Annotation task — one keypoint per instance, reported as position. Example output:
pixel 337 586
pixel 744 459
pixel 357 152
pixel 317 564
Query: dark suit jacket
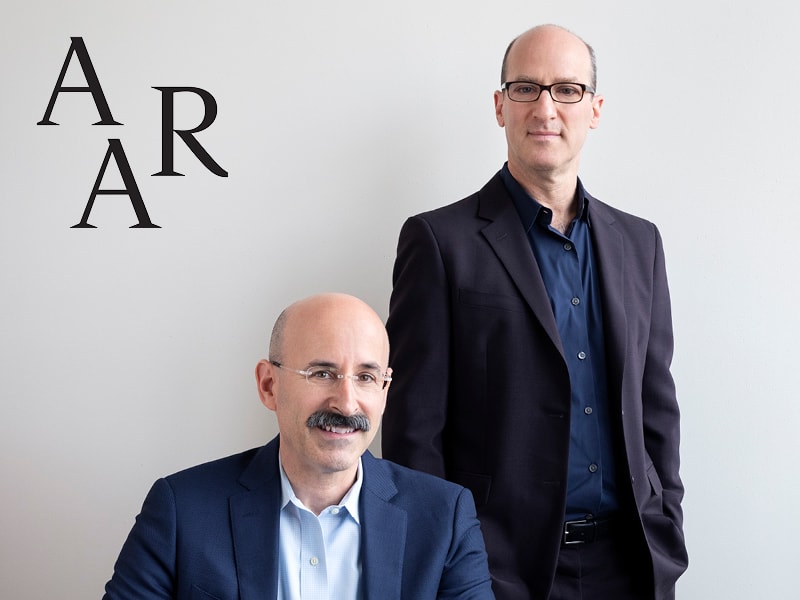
pixel 481 394
pixel 211 532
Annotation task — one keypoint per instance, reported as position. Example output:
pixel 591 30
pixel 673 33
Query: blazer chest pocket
pixel 198 594
pixel 479 485
pixel 478 299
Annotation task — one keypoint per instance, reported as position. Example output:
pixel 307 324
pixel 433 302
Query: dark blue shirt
pixel 571 277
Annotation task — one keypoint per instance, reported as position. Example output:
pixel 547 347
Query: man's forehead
pixel 550 49
pixel 337 351
pixel 334 329
pixel 544 72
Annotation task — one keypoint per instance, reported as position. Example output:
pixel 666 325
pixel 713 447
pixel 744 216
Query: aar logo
pixel 115 150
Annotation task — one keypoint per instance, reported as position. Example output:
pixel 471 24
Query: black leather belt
pixel 586 531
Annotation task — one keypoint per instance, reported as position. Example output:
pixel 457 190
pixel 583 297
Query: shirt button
pixel 588 410
pixel 314 561
pixel 581 355
pixel 335 510
pixel 576 301
pixel 592 468
pixel 567 246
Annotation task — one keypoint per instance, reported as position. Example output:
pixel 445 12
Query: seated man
pixel 312 514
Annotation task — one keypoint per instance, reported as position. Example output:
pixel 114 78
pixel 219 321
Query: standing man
pixel 311 515
pixel 533 324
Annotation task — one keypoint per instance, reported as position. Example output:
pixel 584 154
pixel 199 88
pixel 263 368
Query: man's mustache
pixel 324 419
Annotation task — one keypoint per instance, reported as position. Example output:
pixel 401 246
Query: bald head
pixel 547 38
pixel 333 315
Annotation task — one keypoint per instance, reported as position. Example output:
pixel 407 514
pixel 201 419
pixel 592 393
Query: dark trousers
pixel 614 568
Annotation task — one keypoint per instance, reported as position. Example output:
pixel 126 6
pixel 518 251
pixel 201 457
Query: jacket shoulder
pixel 407 486
pixel 611 214
pixel 223 475
pixel 468 207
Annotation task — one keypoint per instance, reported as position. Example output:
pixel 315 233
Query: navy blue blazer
pixel 211 532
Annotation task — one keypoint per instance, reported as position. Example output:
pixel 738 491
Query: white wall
pixel 126 354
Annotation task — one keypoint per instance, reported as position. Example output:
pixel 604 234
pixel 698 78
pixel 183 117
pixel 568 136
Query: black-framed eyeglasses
pixel 369 380
pixel 565 92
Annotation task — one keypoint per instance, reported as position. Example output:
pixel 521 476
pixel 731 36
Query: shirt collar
pixel 527 206
pixel 349 502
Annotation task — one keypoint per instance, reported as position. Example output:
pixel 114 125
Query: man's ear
pixel 498 108
pixel 597 104
pixel 265 380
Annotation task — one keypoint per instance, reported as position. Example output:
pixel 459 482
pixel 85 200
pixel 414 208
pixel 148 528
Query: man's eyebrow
pixel 332 365
pixel 322 363
pixel 527 79
pixel 370 365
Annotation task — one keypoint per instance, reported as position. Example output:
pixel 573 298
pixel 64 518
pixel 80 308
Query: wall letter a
pixel 93 85
pixel 131 189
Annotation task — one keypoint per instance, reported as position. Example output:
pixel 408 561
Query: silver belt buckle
pixel 566 527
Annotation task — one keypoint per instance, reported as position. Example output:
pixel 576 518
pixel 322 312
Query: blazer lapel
pixel 255 522
pixel 509 241
pixel 383 533
pixel 610 253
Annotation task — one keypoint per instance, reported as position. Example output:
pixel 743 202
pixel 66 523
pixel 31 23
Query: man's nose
pixel 545 106
pixel 345 397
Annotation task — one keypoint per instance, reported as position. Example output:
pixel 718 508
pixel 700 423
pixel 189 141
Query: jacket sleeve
pixel 146 565
pixel 466 569
pixel 661 416
pixel 419 332
pixel 660 489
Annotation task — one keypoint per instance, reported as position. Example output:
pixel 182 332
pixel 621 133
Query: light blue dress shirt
pixel 320 556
